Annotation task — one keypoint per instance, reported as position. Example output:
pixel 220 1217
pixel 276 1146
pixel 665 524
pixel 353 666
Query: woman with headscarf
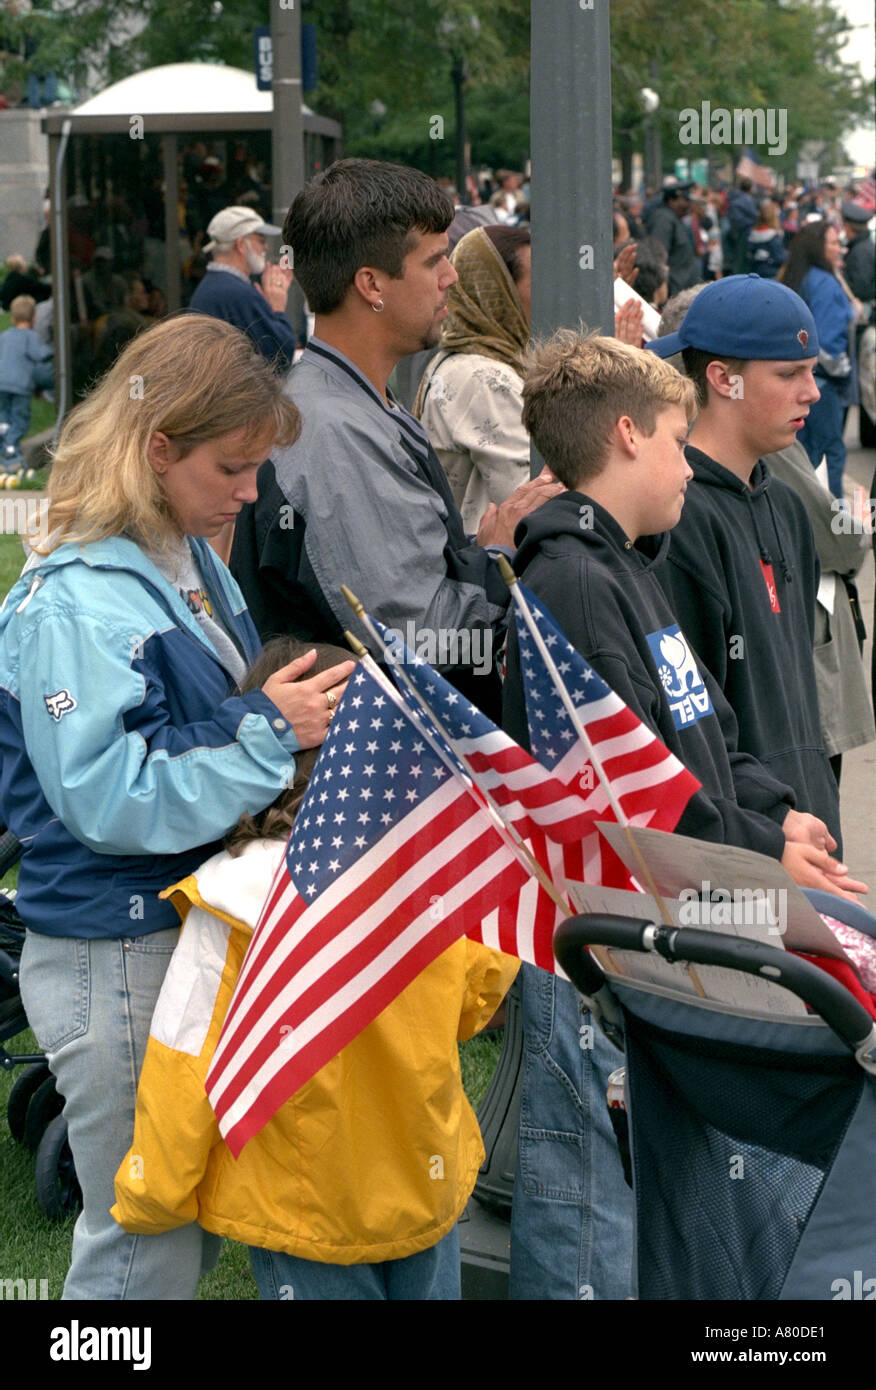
pixel 471 396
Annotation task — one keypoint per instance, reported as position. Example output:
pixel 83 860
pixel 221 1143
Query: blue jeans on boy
pixel 14 412
pixel 90 1004
pixel 430 1275
pixel 572 1214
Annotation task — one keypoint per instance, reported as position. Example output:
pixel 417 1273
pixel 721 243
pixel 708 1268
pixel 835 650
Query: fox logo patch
pixel 59 704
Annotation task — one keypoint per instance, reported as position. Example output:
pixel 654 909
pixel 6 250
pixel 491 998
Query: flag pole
pixel 481 794
pixel 523 608
pixel 509 837
pixel 483 798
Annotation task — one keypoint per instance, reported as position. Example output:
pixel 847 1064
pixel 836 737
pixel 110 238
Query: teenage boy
pixel 742 571
pixel 611 423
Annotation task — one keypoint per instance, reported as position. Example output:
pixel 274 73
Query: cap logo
pixel 803 337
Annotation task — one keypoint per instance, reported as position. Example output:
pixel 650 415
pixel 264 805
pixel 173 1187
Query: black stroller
pixel 751 1137
pixel 34 1105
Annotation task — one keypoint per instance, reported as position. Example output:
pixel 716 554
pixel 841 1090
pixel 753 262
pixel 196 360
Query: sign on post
pixel 264 57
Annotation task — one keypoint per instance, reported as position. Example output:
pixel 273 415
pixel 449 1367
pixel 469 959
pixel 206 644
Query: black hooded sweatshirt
pixel 742 575
pixel 602 591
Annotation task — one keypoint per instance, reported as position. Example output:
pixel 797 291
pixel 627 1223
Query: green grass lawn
pixel 32 1247
pixel 11 561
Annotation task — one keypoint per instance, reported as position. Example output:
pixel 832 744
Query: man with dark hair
pixel 652 281
pixel 860 263
pixel 361 498
pixel 741 217
pixel 664 221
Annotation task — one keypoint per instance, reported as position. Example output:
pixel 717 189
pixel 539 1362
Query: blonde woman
pixel 125 754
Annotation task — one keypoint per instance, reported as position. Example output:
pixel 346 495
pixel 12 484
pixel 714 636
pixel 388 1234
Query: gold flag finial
pixel 506 571
pixel 354 603
pixel 355 644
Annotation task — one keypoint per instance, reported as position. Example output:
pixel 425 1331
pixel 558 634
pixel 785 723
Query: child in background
pixel 766 246
pixel 354 1188
pixel 25 366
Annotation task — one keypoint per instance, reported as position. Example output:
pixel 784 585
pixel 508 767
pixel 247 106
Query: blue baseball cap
pixel 748 317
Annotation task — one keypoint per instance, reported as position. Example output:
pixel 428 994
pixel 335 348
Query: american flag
pixel 538 808
pixel 649 782
pixel 554 798
pixel 390 860
pixel 750 166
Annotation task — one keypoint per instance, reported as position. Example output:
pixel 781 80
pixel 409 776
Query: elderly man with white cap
pixel 238 241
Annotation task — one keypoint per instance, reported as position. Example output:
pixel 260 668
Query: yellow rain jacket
pixel 373 1159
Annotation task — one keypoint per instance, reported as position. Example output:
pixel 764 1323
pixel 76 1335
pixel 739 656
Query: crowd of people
pixel 153 760
pixel 814 239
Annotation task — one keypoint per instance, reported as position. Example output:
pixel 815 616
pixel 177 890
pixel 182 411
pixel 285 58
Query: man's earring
pixel 378 307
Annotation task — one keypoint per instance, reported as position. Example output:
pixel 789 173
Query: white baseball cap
pixel 233 222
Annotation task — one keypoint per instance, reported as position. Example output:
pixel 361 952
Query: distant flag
pixel 390 860
pixel 750 166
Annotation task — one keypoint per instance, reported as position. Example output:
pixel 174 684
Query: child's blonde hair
pixel 578 385
pixel 192 377
pixel 22 308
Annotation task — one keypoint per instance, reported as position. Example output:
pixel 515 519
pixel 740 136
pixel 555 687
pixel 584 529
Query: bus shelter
pixel 136 173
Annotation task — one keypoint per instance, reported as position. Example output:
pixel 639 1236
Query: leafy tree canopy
pixel 385 65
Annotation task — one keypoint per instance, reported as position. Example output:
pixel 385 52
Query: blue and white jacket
pixel 124 756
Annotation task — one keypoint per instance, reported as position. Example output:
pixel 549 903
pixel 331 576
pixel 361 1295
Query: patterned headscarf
pixel 485 313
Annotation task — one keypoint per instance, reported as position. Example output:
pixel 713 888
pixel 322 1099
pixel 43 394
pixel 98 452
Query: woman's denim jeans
pixel 822 432
pixel 90 1004
pixel 572 1215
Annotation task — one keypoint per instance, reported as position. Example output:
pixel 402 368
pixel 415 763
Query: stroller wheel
pixel 57 1187
pixel 45 1103
pixel 20 1095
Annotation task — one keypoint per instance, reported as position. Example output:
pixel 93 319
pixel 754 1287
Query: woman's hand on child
pixel 305 703
pixel 815 868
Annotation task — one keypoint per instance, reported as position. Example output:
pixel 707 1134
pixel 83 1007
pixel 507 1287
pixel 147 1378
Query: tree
pixel 751 54
pixel 384 65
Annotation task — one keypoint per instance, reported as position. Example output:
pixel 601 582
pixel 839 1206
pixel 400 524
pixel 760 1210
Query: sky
pixel 859 49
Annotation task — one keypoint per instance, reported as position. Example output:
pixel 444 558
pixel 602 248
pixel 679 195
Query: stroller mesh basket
pixel 752 1137
pixel 725 1190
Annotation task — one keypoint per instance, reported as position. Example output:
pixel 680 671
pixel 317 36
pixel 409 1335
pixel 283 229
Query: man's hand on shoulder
pixel 498 524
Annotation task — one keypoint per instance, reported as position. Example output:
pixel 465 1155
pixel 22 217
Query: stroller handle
pixel 10 850
pixel 831 1000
